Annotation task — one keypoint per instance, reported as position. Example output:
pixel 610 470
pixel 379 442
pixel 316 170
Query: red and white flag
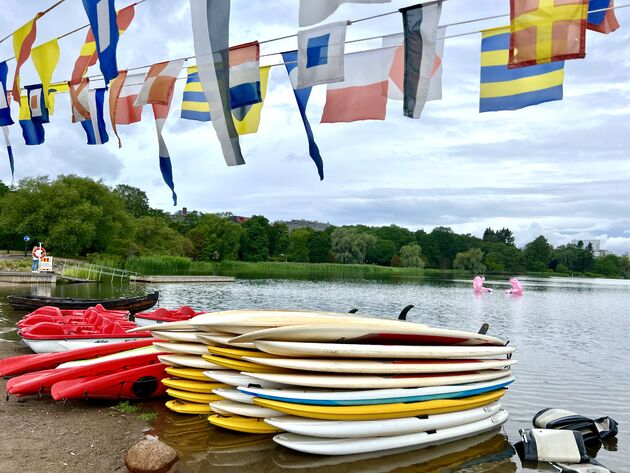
pixel 397 73
pixel 159 82
pixel 79 100
pixel 123 93
pixel 363 93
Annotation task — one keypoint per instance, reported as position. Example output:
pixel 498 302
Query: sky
pixel 559 169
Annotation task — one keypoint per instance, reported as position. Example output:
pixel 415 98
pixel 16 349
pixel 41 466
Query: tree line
pixel 78 216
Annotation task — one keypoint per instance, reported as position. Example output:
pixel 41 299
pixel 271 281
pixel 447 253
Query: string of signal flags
pixel 521 65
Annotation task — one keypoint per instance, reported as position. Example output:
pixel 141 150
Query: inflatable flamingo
pixel 478 285
pixel 516 289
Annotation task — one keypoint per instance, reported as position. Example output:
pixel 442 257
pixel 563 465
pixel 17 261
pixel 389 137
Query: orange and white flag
pixel 159 83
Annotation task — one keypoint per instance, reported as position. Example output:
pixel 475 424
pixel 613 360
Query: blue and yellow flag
pixel 511 89
pixel 195 106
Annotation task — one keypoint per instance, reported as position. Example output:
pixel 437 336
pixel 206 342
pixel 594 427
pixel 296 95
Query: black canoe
pixel 132 304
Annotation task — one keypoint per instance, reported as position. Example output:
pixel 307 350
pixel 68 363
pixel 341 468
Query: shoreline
pixel 80 436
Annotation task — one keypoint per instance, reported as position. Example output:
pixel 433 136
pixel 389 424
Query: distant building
pixel 237 219
pixel 295 224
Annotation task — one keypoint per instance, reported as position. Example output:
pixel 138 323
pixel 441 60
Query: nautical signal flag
pixel 102 17
pixel 545 31
pixel 159 83
pixel 7 142
pixel 601 16
pixel 397 71
pixel 363 93
pixel 23 39
pixel 301 97
pixel 420 27
pixel 510 89
pixel 160 113
pixel 244 75
pixel 124 91
pixel 195 106
pixel 315 11
pixel 45 58
pixel 211 33
pixel 95 128
pixel 33 115
pixel 79 101
pixel 5 108
pixel 88 55
pixel 320 54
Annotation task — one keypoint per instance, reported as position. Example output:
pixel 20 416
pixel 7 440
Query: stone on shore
pixel 151 456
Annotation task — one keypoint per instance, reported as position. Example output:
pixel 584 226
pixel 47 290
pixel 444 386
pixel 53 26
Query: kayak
pixel 163 315
pixel 17 365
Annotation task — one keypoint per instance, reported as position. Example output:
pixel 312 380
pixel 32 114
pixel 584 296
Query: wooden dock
pixel 182 279
pixel 15 277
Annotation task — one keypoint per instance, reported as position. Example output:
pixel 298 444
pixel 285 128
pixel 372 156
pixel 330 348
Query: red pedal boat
pixel 163 315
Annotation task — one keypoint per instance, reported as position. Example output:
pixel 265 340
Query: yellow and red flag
pixel 23 39
pixel 545 31
pixel 89 55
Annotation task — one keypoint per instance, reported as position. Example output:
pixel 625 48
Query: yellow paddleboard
pixel 193 397
pixel 249 425
pixel 187 373
pixel 241 365
pixel 185 407
pixel 239 353
pixel 382 411
pixel 193 386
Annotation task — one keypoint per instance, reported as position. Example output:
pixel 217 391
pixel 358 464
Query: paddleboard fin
pixel 484 329
pixel 403 313
pixel 353 311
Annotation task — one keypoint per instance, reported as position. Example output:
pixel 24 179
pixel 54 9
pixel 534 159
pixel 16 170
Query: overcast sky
pixel 560 169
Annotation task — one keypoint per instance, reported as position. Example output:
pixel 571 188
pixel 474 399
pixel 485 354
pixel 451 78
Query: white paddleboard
pixel 350 446
pixel 340 350
pixel 322 397
pixel 234 395
pixel 383 427
pixel 377 382
pixel 182 347
pixel 188 361
pixel 244 321
pixel 222 340
pixel 244 410
pixel 328 365
pixel 175 336
pixel 234 378
pixel 408 334
pixel 113 356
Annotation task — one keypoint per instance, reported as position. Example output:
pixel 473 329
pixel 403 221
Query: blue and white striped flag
pixel 5 109
pixel 102 17
pixel 95 128
pixel 7 141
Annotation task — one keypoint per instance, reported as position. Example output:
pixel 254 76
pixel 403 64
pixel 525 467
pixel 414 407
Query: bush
pixel 155 265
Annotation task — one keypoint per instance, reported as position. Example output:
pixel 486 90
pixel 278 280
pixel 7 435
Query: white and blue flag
pixel 320 55
pixel 102 17
pixel 5 110
pixel 95 128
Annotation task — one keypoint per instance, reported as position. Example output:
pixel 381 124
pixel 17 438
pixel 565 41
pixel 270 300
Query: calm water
pixel 572 346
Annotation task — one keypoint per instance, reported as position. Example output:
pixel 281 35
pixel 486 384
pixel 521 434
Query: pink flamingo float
pixel 478 285
pixel 516 289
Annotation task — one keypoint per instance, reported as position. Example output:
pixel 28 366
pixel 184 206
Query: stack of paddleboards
pixel 341 384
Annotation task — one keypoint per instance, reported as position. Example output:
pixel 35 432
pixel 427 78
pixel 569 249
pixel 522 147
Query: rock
pixel 151 456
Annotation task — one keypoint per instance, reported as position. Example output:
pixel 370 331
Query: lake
pixel 572 346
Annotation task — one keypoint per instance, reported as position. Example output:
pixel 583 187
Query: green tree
pixel 494 261
pixel 349 246
pixel 135 200
pixel 411 256
pixel 381 252
pixel 215 238
pixel 319 247
pixel 153 236
pixel 255 239
pixel 182 222
pixel 278 239
pixel 298 245
pixel 609 266
pixel 505 236
pixel 398 235
pixel 537 254
pixel 471 260
pixel 71 215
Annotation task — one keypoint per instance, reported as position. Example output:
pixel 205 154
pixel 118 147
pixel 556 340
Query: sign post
pixel 26 240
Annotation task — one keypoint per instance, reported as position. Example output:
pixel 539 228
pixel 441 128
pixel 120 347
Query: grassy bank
pixel 168 265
